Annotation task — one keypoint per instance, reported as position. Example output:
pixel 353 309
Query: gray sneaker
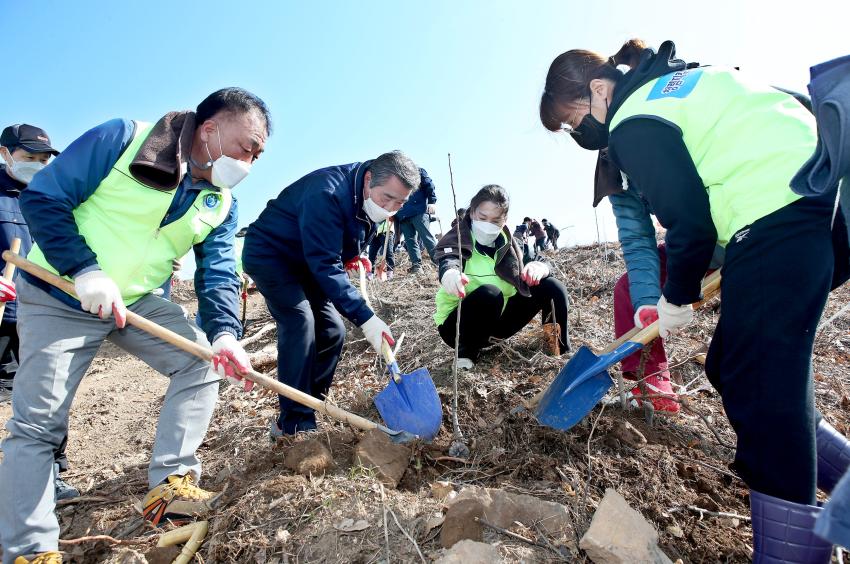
pixel 305 426
pixel 63 489
pixel 415 268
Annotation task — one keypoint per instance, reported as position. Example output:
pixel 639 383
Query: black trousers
pixel 310 334
pixel 482 316
pixel 9 345
pixel 776 279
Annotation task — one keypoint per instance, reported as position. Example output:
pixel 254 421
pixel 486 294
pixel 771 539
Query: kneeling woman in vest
pixel 500 295
pixel 712 152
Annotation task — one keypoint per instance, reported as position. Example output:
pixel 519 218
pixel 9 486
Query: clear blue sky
pixel 348 80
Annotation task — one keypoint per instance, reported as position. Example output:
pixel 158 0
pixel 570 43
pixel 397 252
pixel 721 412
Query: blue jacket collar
pixel 10 185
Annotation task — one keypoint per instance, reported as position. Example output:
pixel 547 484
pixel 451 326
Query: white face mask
pixel 227 172
pixel 485 232
pixel 375 212
pixel 23 171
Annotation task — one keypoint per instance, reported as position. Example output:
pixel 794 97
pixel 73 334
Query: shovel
pixel 410 401
pixel 204 353
pixel 584 380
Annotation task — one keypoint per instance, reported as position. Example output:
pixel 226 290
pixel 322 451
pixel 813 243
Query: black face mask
pixel 590 134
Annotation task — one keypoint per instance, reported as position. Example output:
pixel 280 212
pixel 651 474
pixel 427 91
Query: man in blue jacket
pixel 111 213
pixel 298 251
pixel 414 221
pixel 24 150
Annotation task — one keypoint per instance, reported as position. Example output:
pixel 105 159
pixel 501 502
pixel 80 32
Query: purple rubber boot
pixel 782 532
pixel 833 455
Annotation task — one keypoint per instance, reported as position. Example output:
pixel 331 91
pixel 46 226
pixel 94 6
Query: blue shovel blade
pixel 412 405
pixel 579 386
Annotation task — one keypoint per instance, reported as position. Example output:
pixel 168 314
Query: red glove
pixel 646 315
pixel 230 360
pixel 354 265
pixel 7 290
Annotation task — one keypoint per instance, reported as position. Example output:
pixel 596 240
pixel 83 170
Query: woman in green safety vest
pixel 712 152
pixel 485 270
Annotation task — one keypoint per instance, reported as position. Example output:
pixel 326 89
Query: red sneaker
pixel 659 385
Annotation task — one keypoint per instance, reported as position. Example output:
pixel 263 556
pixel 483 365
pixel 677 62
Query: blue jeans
pixel 412 228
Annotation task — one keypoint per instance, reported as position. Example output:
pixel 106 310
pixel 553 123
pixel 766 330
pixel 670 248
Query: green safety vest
pixel 746 139
pixel 480 269
pixel 121 221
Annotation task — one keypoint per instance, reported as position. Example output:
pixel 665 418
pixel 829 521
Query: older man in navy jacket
pixel 298 252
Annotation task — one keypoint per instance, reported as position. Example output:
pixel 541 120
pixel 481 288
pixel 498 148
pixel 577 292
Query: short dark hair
pixel 235 100
pixel 494 194
pixel 395 163
pixel 526 219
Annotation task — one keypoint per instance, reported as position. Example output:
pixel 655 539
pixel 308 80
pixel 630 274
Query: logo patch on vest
pixel 211 201
pixel 678 85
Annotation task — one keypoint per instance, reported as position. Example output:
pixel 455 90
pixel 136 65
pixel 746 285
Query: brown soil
pixel 270 514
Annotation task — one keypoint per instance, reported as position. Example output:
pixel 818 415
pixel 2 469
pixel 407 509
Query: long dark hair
pixel 570 74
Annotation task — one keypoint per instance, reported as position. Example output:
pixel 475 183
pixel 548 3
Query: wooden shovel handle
pixel 363 289
pixel 202 352
pixel 9 271
pixel 710 287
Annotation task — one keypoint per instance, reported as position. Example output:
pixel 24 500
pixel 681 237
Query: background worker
pixel 384 237
pixel 552 233
pixel 414 221
pixel 24 151
pixel 536 231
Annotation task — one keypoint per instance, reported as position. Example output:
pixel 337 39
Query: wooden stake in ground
pixel 458 448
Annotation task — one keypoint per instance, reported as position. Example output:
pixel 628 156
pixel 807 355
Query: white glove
pixel 671 317
pixel 646 315
pixel 375 331
pixel 453 282
pixel 534 272
pixel 230 361
pixel 431 209
pixel 99 294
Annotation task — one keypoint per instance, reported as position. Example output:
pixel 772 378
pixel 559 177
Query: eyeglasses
pixel 575 118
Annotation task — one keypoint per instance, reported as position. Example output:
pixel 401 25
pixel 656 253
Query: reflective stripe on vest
pixel 746 139
pixel 481 270
pixel 121 222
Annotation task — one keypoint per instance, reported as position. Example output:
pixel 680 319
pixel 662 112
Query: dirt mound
pixel 678 478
